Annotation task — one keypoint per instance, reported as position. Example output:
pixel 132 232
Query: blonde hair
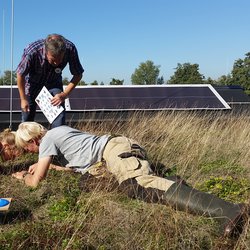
pixel 8 136
pixel 28 131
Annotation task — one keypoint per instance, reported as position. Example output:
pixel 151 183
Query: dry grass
pixel 64 215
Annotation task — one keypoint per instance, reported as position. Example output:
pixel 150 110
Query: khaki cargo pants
pixel 122 163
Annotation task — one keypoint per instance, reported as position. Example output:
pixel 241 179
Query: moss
pixel 221 166
pixel 228 188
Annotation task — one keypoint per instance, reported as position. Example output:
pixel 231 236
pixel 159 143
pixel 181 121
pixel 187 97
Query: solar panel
pixel 146 97
pixel 5 102
pixel 233 94
pixel 132 97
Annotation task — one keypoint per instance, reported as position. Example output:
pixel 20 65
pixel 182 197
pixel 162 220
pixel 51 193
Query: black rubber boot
pixel 231 217
pixel 176 178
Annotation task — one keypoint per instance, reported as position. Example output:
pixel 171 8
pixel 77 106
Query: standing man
pixel 41 65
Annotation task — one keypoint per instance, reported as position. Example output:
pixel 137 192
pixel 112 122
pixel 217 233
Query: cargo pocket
pixel 125 158
pixel 129 168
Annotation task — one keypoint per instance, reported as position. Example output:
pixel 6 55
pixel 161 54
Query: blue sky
pixel 114 36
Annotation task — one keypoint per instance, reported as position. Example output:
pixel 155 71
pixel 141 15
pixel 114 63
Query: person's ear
pixel 37 141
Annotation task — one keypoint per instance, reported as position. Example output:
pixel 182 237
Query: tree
pixel 224 80
pixel 160 80
pixel 82 83
pixel 94 83
pixel 66 82
pixel 241 72
pixel 209 80
pixel 6 79
pixel 116 82
pixel 187 73
pixel 146 74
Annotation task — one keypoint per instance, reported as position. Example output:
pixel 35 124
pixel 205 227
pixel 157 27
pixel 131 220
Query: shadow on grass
pixel 10 217
pixel 9 167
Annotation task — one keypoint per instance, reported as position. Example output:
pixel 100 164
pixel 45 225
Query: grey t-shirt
pixel 72 147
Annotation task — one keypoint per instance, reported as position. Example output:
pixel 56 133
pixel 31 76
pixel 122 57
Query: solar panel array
pixel 131 97
pixel 153 97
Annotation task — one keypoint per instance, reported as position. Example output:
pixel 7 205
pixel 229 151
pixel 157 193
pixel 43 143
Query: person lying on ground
pixel 9 151
pixel 126 160
pixel 8 148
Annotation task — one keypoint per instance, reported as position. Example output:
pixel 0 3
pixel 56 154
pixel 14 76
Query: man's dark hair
pixel 55 44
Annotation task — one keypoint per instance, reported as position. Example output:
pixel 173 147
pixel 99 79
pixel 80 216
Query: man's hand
pixel 39 174
pixel 58 99
pixel 32 168
pixel 19 175
pixel 25 105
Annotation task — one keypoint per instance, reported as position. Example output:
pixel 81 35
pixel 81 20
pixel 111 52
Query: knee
pixel 132 189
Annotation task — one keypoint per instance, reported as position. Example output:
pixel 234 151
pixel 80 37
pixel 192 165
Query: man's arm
pixel 59 168
pixel 33 167
pixel 21 89
pixel 39 174
pixel 58 99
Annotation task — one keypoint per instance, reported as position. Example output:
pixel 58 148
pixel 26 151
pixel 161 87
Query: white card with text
pixel 43 101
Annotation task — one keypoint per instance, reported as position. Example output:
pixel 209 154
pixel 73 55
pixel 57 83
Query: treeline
pixel 148 73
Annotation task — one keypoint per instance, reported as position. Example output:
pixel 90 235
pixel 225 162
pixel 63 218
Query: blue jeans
pixel 30 116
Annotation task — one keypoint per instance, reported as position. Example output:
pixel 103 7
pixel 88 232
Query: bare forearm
pixel 59 168
pixel 21 86
pixel 36 173
pixel 31 180
pixel 72 84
